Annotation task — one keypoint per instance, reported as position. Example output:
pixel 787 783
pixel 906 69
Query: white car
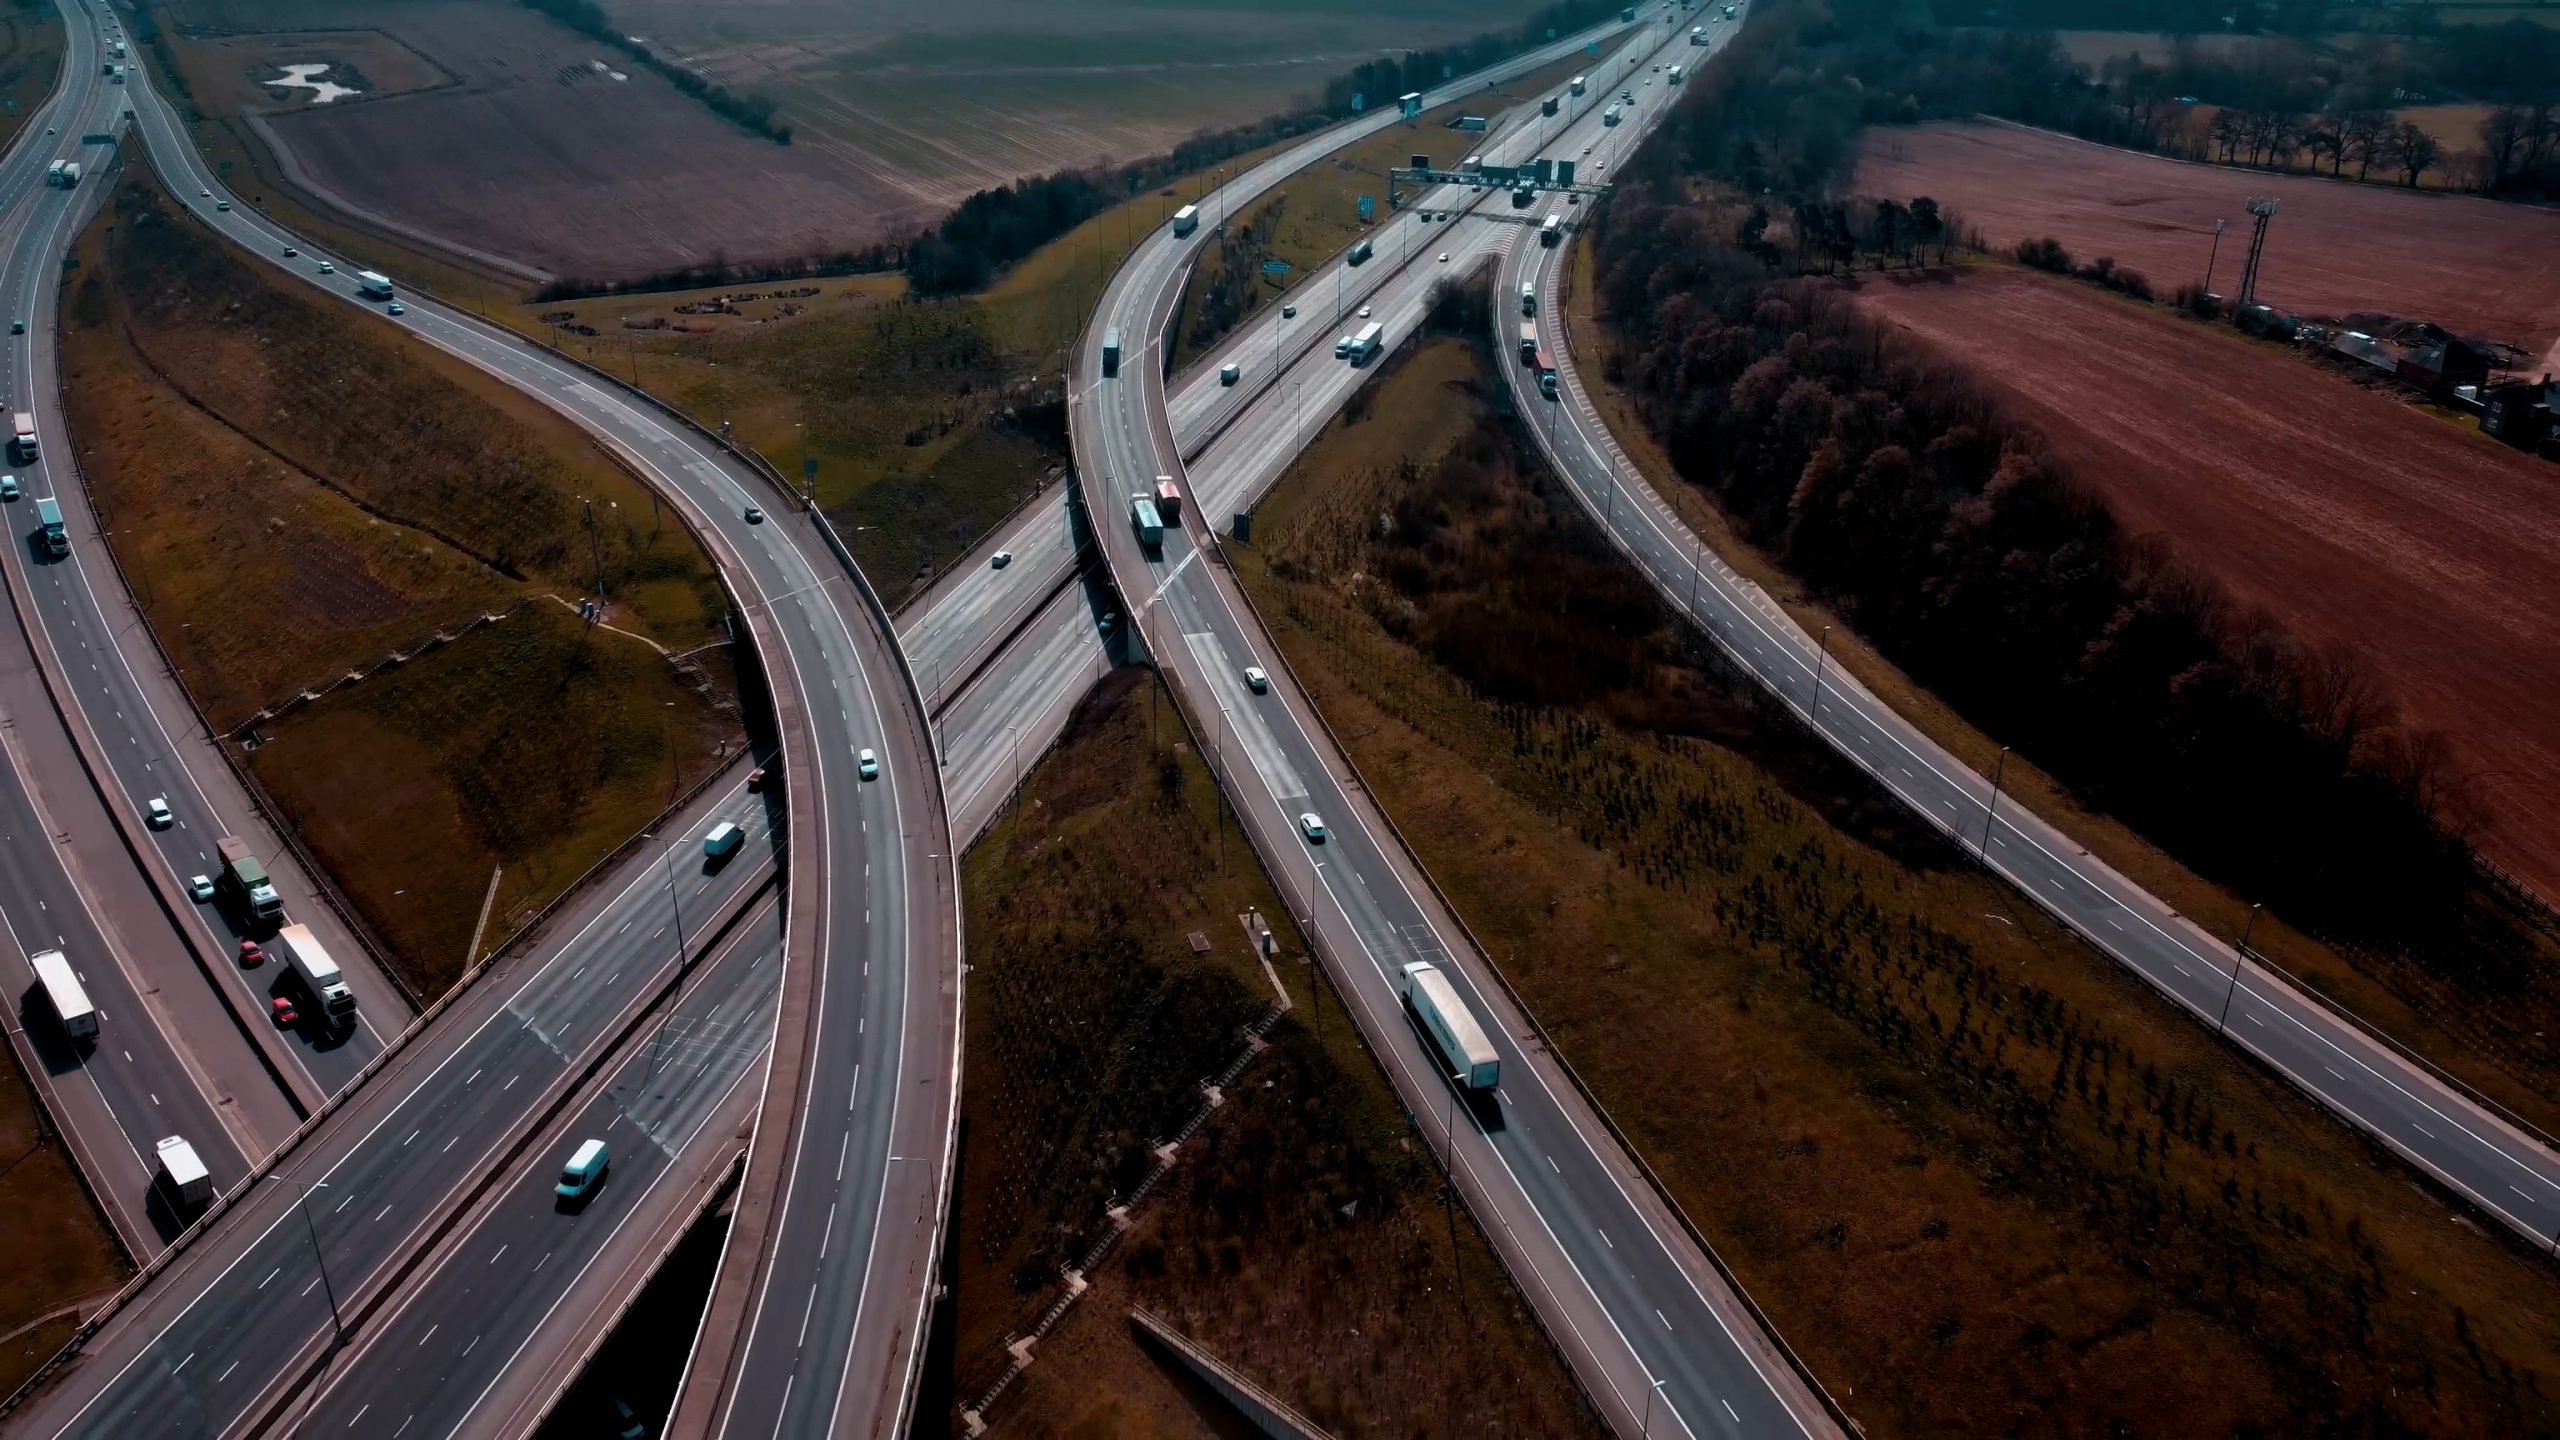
pixel 1313 827
pixel 1444 257
pixel 1002 559
pixel 204 194
pixel 328 269
pixel 201 887
pixel 1255 680
pixel 1288 312
pixel 1364 312
pixel 157 813
pixel 868 764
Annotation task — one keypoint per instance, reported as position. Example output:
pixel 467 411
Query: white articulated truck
pixel 1186 219
pixel 63 991
pixel 1365 343
pixel 1471 1058
pixel 190 1184
pixel 319 974
pixel 373 284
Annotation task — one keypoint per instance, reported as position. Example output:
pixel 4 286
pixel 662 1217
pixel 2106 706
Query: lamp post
pixel 1650 1392
pixel 1991 807
pixel 337 1322
pixel 1821 657
pixel 2238 956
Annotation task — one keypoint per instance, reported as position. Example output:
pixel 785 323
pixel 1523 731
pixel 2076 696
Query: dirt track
pixel 2335 247
pixel 2355 519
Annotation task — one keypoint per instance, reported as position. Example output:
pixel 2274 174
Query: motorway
pixel 1656 1336
pixel 68 878
pixel 2510 1174
pixel 999 650
pixel 877 925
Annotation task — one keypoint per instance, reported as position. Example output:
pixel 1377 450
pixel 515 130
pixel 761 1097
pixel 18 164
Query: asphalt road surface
pixel 1638 1308
pixel 2507 1172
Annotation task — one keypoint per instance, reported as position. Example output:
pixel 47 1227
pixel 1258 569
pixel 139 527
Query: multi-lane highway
pixel 170 1058
pixel 2508 1173
pixel 872 924
pixel 241 1316
pixel 1657 1336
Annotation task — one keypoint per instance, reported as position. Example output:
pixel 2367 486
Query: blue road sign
pixel 1275 267
pixel 1368 207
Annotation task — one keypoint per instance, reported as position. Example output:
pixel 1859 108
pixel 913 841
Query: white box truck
pixel 319 974
pixel 374 284
pixel 1186 219
pixel 1365 343
pixel 63 991
pixel 1471 1058
pixel 183 1169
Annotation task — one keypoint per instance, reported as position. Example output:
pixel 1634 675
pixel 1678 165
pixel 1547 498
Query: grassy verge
pixel 54 1251
pixel 31 43
pixel 295 493
pixel 1304 1238
pixel 2479 1024
pixel 1969 1167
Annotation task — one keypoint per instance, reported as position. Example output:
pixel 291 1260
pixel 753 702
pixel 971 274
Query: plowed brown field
pixel 2356 520
pixel 2335 248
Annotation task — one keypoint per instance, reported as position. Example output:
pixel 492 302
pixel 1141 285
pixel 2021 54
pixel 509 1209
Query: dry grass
pixel 54 1250
pixel 2348 980
pixel 296 492
pixel 1971 1168
pixel 531 744
pixel 30 62
pixel 1303 1239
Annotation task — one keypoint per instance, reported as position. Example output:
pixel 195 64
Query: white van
pixel 584 1172
pixel 721 841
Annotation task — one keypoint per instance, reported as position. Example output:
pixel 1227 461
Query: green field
pixel 1969 1166
pixel 1092 1025
pixel 55 1252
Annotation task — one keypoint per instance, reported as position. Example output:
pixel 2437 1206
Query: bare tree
pixel 2414 152
pixel 2361 139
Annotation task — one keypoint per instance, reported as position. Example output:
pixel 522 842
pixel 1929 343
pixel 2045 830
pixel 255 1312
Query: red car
pixel 282 1008
pixel 251 955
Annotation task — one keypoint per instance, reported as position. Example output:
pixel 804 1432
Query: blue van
pixel 584 1172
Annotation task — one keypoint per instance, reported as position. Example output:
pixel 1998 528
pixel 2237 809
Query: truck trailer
pixel 1186 219
pixel 63 174
pixel 1609 116
pixel 1366 342
pixel 1528 342
pixel 1672 76
pixel 1551 234
pixel 22 438
pixel 57 540
pixel 1546 373
pixel 1168 500
pixel 1471 1058
pixel 1146 520
pixel 319 974
pixel 245 881
pixel 374 284
pixel 1550 105
pixel 190 1184
pixel 63 991
pixel 1578 86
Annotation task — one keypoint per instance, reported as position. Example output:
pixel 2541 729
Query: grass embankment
pixel 1970 1167
pixel 1316 215
pixel 2497 1026
pixel 1303 1238
pixel 296 492
pixel 31 45
pixel 54 1250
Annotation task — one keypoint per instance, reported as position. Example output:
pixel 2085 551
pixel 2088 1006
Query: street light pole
pixel 337 1322
pixel 1650 1391
pixel 1821 656
pixel 2237 957
pixel 1992 806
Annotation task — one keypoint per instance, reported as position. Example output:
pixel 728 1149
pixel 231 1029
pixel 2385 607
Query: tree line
pixel 754 113
pixel 996 227
pixel 1954 541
